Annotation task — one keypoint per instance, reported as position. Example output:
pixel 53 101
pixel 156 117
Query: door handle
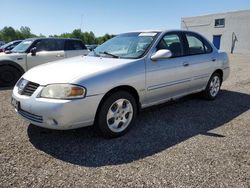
pixel 59 55
pixel 213 59
pixel 185 64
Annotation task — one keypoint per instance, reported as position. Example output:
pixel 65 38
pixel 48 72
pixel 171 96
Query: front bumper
pixel 57 114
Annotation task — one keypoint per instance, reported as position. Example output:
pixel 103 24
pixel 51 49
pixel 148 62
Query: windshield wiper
pixel 107 53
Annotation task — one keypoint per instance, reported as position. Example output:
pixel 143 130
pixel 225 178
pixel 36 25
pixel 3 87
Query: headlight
pixel 63 91
pixel 21 84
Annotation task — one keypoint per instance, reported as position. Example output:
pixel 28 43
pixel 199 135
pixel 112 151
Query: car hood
pixel 71 69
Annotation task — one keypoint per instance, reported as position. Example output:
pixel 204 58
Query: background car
pixel 36 51
pixel 125 74
pixel 9 46
pixel 2 43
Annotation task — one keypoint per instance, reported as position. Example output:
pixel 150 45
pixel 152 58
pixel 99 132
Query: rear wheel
pixel 8 76
pixel 213 87
pixel 116 114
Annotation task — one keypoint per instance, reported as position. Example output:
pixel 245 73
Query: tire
pixel 9 75
pixel 213 87
pixel 116 114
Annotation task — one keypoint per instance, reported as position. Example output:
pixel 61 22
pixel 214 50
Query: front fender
pixel 131 74
pixel 14 59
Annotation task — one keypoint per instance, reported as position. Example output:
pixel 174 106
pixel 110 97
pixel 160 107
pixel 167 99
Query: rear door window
pixel 197 44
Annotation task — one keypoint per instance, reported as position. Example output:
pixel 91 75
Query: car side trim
pixel 167 84
pixel 201 76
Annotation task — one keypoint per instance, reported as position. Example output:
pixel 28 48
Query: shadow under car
pixel 156 129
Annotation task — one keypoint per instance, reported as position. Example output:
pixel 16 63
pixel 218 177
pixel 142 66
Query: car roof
pixel 156 31
pixel 52 38
pixel 16 41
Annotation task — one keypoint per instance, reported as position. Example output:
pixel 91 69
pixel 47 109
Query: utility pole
pixel 81 22
pixel 185 24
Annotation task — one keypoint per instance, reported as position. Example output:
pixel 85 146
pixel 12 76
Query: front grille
pixel 32 117
pixel 29 89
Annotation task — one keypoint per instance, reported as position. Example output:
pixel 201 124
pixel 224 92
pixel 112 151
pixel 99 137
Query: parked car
pixel 129 72
pixel 1 43
pixel 36 51
pixel 91 47
pixel 9 46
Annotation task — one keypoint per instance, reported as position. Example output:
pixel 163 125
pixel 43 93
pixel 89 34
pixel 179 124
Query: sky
pixel 50 17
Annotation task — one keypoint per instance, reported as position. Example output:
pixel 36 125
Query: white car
pixel 125 74
pixel 36 51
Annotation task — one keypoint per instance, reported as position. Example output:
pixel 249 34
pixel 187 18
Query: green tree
pixel 77 34
pixel 25 32
pixel 104 38
pixel 8 34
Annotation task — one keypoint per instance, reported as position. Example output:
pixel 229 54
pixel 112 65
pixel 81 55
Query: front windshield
pixel 129 45
pixel 23 46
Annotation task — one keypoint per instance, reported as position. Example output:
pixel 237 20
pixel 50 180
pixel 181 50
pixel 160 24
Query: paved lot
pixel 188 143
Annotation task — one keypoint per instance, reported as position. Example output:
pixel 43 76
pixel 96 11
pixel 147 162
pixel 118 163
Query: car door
pixel 75 48
pixel 201 59
pixel 47 50
pixel 167 78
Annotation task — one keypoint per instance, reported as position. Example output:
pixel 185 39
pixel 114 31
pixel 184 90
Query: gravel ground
pixel 187 143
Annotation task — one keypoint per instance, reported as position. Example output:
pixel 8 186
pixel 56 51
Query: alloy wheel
pixel 214 86
pixel 119 115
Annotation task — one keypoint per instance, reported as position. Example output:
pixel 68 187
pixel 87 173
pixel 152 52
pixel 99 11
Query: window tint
pixel 49 45
pixel 171 42
pixel 195 44
pixel 74 45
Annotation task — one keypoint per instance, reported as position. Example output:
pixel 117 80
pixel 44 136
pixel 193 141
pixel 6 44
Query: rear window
pixel 197 45
pixel 74 45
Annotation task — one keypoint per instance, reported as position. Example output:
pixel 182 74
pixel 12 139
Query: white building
pixel 228 31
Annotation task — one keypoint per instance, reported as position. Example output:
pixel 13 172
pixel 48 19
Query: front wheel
pixel 8 76
pixel 116 114
pixel 213 87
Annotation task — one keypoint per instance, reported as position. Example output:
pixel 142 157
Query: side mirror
pixel 33 51
pixel 161 54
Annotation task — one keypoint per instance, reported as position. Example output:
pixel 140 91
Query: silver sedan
pixel 129 72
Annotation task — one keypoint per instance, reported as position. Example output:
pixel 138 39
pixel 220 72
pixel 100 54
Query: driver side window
pixel 171 42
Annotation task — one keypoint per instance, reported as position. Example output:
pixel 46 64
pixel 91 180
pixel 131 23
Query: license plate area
pixel 15 103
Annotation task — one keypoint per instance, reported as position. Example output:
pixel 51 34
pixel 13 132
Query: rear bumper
pixel 57 114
